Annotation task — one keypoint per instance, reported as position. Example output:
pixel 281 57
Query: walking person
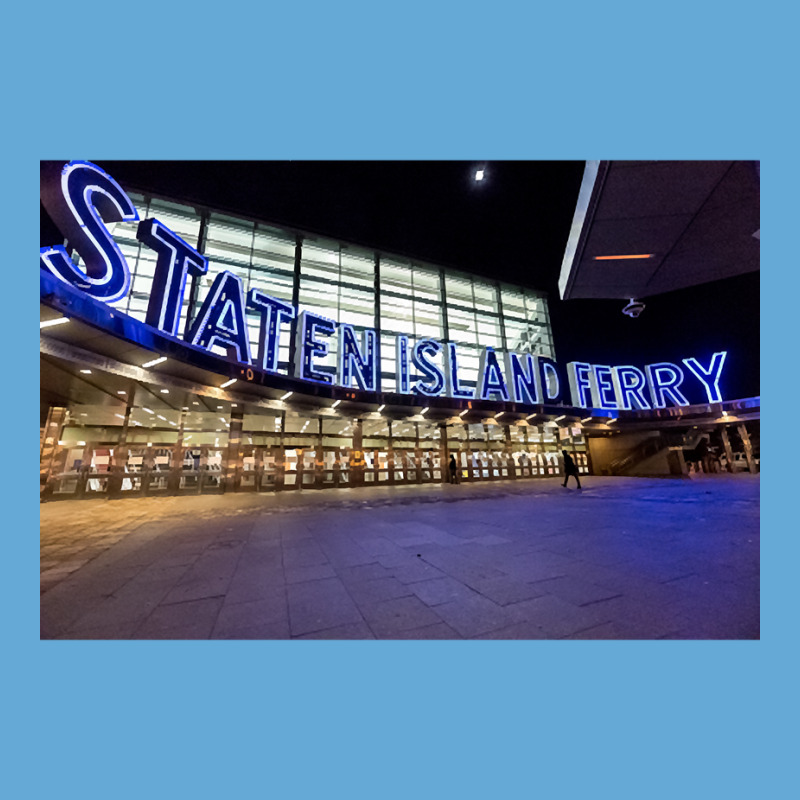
pixel 453 469
pixel 570 469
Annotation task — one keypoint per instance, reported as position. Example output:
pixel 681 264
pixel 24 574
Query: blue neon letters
pixel 221 320
pixel 308 346
pixel 175 260
pixel 81 198
pixel 432 382
pixel 361 363
pixel 272 312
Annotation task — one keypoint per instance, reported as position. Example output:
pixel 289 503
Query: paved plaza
pixel 625 558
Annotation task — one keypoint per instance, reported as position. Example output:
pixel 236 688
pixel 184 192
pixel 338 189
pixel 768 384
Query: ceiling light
pixel 223 419
pixel 148 410
pixel 530 416
pixel 424 410
pixel 585 419
pixel 121 416
pixel 465 411
pixel 380 408
pixel 195 403
pixel 563 416
pixel 227 383
pixel 479 174
pixel 86 371
pixel 121 391
pixel 165 391
pixel 497 416
pixel 48 323
pixel 336 404
pixel 154 362
pixel 287 396
pixel 623 258
pixel 160 417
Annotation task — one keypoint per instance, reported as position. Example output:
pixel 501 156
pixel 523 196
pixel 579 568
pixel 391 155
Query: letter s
pixel 79 198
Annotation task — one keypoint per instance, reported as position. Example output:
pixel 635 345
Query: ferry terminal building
pixel 167 384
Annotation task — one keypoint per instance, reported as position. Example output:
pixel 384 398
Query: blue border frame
pixel 477 719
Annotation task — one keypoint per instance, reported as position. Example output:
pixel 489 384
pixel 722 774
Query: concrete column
pixel 444 452
pixel 726 444
pixel 48 446
pixel 176 467
pixel 318 459
pixel 507 451
pixel 748 448
pixel 230 461
pixel 120 457
pixel 357 456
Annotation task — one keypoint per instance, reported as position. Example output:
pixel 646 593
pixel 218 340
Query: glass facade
pixel 341 282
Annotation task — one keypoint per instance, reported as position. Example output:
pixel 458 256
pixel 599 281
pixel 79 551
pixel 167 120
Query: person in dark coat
pixel 453 469
pixel 569 469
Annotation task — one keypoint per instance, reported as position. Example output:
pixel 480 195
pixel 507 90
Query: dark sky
pixel 513 226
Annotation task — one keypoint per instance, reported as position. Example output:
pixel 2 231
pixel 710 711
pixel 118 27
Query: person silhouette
pixel 570 469
pixel 453 469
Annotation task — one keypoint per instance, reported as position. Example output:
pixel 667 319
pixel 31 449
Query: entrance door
pixel 66 477
pixel 201 470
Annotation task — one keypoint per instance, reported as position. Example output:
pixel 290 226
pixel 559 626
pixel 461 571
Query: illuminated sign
pixel 82 199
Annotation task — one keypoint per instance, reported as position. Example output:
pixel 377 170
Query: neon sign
pixel 81 198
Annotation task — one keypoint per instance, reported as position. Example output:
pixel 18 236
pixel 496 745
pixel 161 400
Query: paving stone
pixel 575 591
pixel 354 630
pixel 607 630
pixel 269 616
pixel 440 590
pixel 191 620
pixel 362 572
pixel 402 613
pixel 415 571
pixel 312 573
pixel 558 617
pixel 429 632
pixel 196 588
pixel 635 537
pixel 305 556
pixel 637 619
pixel 473 616
pixel 400 558
pixel 134 601
pixel 515 631
pixel 118 631
pixel 379 546
pixel 249 582
pixel 530 571
pixel 490 540
pixel 260 631
pixel 318 605
pixel 374 591
pixel 504 590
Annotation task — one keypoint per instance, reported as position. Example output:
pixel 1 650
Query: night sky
pixel 513 226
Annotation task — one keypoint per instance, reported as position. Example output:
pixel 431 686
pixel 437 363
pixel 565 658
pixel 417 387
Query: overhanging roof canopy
pixel 684 222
